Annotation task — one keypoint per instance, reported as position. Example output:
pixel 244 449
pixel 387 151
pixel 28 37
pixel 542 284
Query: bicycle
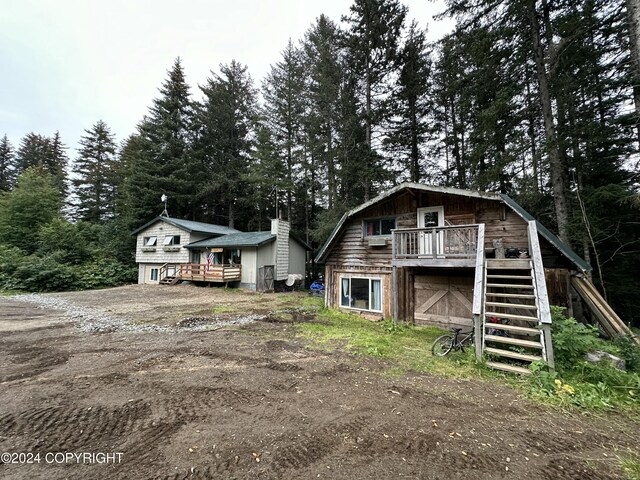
pixel 445 343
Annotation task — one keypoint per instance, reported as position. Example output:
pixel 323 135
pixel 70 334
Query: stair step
pixel 509 285
pixel 511 305
pixel 511 315
pixel 508 263
pixel 518 277
pixel 512 341
pixel 510 295
pixel 513 328
pixel 511 354
pixel 509 368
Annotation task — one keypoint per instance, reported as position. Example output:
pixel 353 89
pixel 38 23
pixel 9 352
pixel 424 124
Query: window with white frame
pixel 150 241
pixel 154 275
pixel 172 240
pixel 361 293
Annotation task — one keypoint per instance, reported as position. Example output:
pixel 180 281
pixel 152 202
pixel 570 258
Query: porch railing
pixel 455 241
pixel 208 273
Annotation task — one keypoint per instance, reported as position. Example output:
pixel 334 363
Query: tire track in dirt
pixel 568 469
pixel 72 427
pixel 33 361
pixel 314 444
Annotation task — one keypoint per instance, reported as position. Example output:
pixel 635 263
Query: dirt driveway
pixel 250 400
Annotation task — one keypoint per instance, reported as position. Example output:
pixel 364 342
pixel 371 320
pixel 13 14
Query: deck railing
pixel 203 272
pixel 456 241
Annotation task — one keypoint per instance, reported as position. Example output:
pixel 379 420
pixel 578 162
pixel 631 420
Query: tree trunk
pixel 557 169
pixel 633 21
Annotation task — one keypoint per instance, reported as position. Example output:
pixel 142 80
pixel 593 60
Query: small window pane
pixel 168 240
pixel 360 293
pixel 344 297
pixel 150 241
pixel 154 274
pixel 176 240
pixel 376 303
pixel 388 225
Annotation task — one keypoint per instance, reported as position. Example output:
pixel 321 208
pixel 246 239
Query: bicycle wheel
pixel 442 345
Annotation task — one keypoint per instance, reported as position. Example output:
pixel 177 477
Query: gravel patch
pixel 94 320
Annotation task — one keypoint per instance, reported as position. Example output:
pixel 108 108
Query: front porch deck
pixel 448 246
pixel 200 272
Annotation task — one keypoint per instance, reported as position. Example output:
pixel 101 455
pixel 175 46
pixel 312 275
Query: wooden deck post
pixel 394 287
pixel 477 340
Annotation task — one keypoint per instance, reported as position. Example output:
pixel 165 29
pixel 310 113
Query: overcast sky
pixel 67 63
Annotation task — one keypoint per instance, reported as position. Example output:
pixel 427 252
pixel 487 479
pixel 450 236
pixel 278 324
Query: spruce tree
pixel 409 122
pixel 226 128
pixel 7 165
pixel 163 157
pixel 284 93
pixel 375 29
pixel 94 169
pixel 322 50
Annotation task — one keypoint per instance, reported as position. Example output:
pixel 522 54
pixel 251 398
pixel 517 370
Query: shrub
pixel 571 340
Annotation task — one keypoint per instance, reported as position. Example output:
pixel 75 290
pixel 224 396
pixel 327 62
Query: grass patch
pixel 407 348
pixel 630 465
pixel 224 309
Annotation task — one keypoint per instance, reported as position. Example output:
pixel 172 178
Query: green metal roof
pixel 235 240
pixel 191 226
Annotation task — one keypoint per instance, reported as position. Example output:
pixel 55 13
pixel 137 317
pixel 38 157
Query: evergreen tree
pixel 284 93
pixel 410 105
pixel 7 165
pixel 324 71
pixel 45 154
pixel 226 124
pixel 32 152
pixel 57 161
pixel 375 29
pixel 163 162
pixel 95 180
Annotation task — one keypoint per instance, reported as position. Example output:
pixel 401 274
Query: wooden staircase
pixel 515 298
pixel 510 299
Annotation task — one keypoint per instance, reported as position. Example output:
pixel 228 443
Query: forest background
pixel 539 99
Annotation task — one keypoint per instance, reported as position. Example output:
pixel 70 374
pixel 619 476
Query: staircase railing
pixel 478 292
pixel 540 292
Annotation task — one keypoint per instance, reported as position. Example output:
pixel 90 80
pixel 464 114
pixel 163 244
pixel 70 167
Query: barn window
pixel 379 226
pixel 172 240
pixel 150 241
pixel 361 293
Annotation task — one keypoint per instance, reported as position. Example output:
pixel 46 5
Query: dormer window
pixel 379 227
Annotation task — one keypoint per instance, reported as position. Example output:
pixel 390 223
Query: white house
pixel 171 250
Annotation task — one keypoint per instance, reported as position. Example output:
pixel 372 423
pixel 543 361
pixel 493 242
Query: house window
pixel 154 274
pixel 172 240
pixel 361 293
pixel 232 256
pixel 150 241
pixel 379 226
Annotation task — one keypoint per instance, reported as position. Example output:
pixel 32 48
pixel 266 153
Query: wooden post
pixel 394 287
pixel 548 346
pixel 434 243
pixel 477 329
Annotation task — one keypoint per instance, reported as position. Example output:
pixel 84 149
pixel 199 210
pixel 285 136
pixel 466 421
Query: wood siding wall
pixel 351 252
pixel 160 256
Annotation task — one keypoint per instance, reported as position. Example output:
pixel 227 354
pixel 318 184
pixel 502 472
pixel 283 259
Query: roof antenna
pixel 164 199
